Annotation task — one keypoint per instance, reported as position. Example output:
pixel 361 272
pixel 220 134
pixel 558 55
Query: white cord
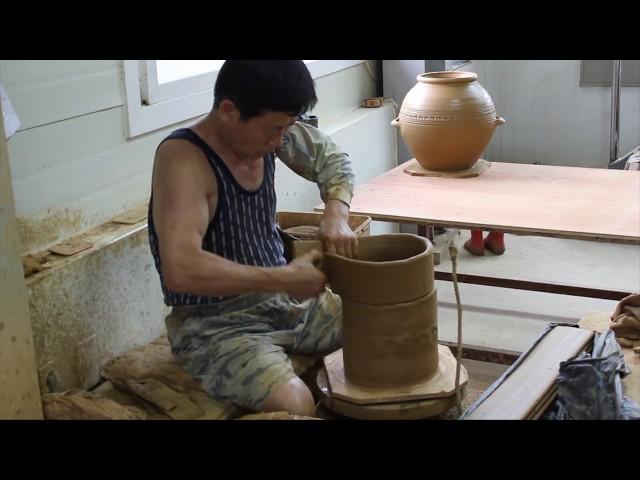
pixel 453 253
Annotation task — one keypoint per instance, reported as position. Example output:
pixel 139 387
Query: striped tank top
pixel 243 228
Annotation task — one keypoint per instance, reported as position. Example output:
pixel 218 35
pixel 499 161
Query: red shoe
pixel 495 242
pixel 475 245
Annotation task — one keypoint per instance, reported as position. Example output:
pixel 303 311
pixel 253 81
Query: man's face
pixel 262 134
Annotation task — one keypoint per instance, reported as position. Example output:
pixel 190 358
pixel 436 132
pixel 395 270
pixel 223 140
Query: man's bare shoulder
pixel 182 155
pixel 180 151
pixel 180 161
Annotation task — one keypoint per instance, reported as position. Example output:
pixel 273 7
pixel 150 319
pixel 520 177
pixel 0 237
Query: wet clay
pixel 389 269
pixel 390 344
pixel 389 310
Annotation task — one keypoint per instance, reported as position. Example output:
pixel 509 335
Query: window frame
pixel 184 99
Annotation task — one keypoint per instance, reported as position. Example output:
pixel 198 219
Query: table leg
pixel 534 286
pixel 426 230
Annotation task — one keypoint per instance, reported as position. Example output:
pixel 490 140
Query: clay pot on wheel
pixel 390 344
pixel 447 120
pixel 389 310
pixel 389 269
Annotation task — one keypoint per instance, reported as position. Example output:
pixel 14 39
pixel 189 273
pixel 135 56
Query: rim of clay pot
pixel 403 237
pixel 447 77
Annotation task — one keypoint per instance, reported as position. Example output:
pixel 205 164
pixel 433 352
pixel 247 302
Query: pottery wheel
pixel 412 410
pixel 477 169
pixel 432 397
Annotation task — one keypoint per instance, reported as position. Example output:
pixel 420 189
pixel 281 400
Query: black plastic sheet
pixel 590 386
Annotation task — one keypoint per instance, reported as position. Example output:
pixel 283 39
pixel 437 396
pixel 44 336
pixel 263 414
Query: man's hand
pixel 335 232
pixel 305 279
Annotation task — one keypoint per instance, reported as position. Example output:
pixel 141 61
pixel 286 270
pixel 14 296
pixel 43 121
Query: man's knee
pixel 293 397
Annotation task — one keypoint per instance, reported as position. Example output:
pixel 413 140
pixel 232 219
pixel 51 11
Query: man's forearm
pixel 204 273
pixel 315 156
pixel 336 209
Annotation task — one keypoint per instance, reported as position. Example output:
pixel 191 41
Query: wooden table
pixel 563 202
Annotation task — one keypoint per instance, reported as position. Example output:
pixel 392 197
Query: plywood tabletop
pixel 569 202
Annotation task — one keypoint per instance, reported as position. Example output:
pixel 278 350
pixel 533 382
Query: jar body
pixel 447 120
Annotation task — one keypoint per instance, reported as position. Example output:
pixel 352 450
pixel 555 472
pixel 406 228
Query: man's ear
pixel 228 111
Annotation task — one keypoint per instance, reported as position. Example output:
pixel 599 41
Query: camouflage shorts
pixel 238 348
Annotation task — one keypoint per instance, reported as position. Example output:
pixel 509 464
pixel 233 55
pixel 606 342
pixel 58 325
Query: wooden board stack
pixel 531 387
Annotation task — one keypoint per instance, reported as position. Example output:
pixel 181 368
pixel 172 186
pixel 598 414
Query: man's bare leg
pixel 293 397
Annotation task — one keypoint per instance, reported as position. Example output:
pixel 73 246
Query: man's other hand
pixel 305 279
pixel 335 232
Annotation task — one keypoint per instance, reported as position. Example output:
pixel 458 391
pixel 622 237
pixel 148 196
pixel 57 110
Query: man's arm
pixel 315 156
pixel 183 190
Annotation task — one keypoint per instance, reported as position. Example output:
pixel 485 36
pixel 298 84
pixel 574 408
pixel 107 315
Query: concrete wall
pixel 551 119
pixel 74 169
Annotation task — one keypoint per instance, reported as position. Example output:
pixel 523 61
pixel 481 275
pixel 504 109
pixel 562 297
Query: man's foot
pixel 475 245
pixel 495 242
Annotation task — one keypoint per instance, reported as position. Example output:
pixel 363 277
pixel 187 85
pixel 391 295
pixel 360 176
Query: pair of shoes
pixel 476 244
pixel 495 242
pixel 474 247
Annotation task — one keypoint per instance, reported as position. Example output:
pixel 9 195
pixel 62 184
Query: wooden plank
pixel 529 384
pixel 171 402
pixel 480 166
pixel 70 247
pixel 81 405
pixel 573 290
pixel 440 385
pixel 543 405
pixel 133 216
pixel 19 390
pixel 566 202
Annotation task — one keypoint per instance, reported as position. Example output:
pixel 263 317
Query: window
pixel 599 73
pixel 164 92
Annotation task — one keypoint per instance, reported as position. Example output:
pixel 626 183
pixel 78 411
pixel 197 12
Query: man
pixel 238 307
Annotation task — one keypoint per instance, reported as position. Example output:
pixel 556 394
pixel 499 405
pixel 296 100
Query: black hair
pixel 259 86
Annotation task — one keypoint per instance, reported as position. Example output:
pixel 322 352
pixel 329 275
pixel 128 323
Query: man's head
pixel 259 99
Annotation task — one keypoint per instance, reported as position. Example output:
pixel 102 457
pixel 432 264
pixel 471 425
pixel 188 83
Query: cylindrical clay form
pixel 389 310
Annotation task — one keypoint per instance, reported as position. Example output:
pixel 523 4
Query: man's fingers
pixel 340 248
pixel 348 250
pixel 354 247
pixel 315 256
pixel 329 246
pixel 347 247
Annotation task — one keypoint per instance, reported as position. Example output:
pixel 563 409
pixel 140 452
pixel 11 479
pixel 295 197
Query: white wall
pixel 399 76
pixel 73 167
pixel 551 119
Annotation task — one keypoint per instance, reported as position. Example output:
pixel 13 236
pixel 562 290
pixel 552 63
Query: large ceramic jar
pixel 447 120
